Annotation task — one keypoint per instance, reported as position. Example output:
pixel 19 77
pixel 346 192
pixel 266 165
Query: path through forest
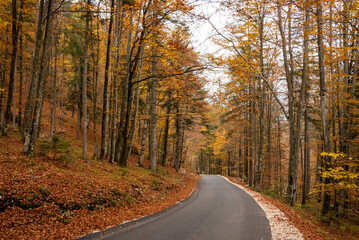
pixel 219 210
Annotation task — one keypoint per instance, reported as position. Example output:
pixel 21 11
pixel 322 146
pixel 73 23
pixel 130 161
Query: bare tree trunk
pixel 30 103
pixel 14 97
pixel 135 114
pixel 246 154
pixel 84 83
pixel 332 79
pixel 54 86
pixel 323 104
pixel 200 165
pixel 96 66
pixel 144 131
pixel 12 79
pixel 255 140
pixel 229 164
pixel 306 174
pixel 79 99
pixel 179 141
pixel 153 116
pixel 280 159
pixel 134 125
pixel 3 80
pixel 62 92
pixel 294 120
pixel 345 105
pixel 21 80
pixel 116 55
pixel 51 69
pixel 251 146
pixel 306 183
pixel 166 130
pixel 269 144
pixel 126 105
pixel 259 164
pixel 105 113
pixel 30 139
pixel 114 117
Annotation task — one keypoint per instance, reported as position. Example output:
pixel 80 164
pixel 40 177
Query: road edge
pixel 280 226
pixel 139 221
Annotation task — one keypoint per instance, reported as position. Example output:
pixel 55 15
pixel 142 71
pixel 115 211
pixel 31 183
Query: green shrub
pixel 58 146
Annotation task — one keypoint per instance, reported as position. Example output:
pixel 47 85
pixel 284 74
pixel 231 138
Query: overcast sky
pixel 202 34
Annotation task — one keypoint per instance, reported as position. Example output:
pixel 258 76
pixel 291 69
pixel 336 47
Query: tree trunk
pixel 294 120
pixel 229 164
pixel 2 86
pixel 166 130
pixel 31 138
pixel 153 116
pixel 269 144
pixel 21 80
pixel 259 163
pixel 126 106
pixel 251 145
pixel 280 159
pixel 14 96
pixel 12 81
pixel 135 114
pixel 84 83
pixel 144 131
pixel 105 113
pixel 178 134
pixel 62 91
pixel 306 179
pixel 306 173
pixel 116 55
pixel 96 67
pixel 30 103
pixel 79 99
pixel 323 105
pixel 55 86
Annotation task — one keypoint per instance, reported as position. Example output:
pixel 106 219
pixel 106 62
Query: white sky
pixel 202 34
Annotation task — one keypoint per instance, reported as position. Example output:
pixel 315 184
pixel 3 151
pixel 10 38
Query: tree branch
pixel 162 76
pixel 252 67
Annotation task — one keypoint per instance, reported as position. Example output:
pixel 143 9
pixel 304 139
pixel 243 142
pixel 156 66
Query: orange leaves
pixel 77 198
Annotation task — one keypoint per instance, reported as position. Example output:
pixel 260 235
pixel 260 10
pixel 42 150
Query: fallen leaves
pixel 42 198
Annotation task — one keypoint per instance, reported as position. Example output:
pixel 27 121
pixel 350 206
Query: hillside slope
pixel 64 196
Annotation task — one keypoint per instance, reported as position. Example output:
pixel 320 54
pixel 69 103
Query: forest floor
pixel 43 197
pixel 304 218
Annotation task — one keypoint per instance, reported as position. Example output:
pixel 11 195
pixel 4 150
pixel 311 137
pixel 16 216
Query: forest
pixel 124 79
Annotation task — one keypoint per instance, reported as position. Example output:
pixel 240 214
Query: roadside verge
pixel 280 225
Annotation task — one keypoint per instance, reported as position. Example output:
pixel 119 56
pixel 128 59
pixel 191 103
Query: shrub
pixel 57 145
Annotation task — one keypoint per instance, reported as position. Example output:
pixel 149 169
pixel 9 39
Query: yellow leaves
pixel 2 90
pixel 333 155
pixel 339 173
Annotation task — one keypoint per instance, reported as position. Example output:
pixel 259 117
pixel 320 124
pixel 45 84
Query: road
pixel 218 210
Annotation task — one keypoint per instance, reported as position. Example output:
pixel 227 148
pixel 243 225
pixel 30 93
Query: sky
pixel 202 34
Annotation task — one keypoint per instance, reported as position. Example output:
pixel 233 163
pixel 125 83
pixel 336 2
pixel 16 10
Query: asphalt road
pixel 219 210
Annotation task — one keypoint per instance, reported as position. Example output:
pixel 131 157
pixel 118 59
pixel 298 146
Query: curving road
pixel 219 210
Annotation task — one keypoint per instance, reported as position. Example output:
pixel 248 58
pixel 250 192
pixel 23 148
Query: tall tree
pixel 105 107
pixel 32 135
pixel 84 80
pixel 323 103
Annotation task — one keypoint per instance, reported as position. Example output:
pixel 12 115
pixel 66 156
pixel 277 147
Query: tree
pixel 32 133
